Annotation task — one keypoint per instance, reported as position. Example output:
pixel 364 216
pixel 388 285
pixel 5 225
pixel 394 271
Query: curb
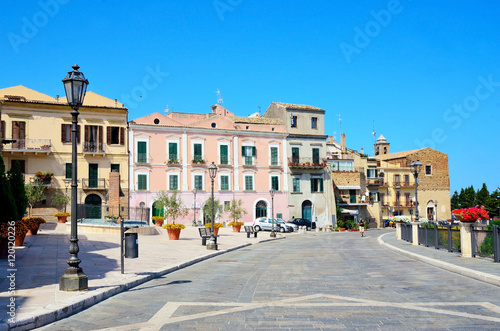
pixel 53 313
pixel 474 274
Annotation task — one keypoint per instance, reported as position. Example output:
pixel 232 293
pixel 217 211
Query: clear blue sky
pixel 423 73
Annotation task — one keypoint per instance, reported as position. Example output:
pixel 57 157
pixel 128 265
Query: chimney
pixel 342 143
pixel 362 150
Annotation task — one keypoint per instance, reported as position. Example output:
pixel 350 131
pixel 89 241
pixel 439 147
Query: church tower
pixel 382 146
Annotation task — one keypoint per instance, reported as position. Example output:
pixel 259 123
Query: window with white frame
pixel 142 151
pixel 316 184
pixel 142 182
pixel 275 182
pixel 296 185
pixel 371 173
pixel 173 152
pixel 197 152
pixel 223 154
pixel 273 154
pixel 173 182
pixel 198 182
pixel 346 165
pixel 248 153
pixel 224 182
pixel 249 183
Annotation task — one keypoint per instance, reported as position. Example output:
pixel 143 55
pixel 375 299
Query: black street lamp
pixel 398 196
pixel 75 86
pixel 415 169
pixel 66 184
pixel 212 171
pixel 194 207
pixel 436 209
pixel 271 192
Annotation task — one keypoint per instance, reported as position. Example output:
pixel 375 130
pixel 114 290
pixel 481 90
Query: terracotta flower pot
pixel 19 240
pixel 173 234
pixel 159 222
pixel 62 219
pixel 216 231
pixel 34 230
pixel 341 229
pixel 236 228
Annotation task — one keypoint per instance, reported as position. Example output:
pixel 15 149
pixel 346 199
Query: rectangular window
pixel 371 173
pixel 173 183
pixel 142 182
pixel 295 154
pixel 296 185
pixel 198 182
pixel 248 153
pixel 275 183
pixel 382 198
pixel 19 134
pixel 68 170
pixel 198 156
pixel 407 200
pixel 315 156
pixel 115 135
pixel 93 138
pixel 115 167
pixel 428 170
pixel 274 156
pixel 314 123
pixel 316 185
pixel 342 166
pixel 224 183
pixel 279 215
pixel 224 154
pixel 293 121
pixel 248 183
pixel 142 157
pixel 66 133
pixel 396 179
pixel 373 197
pixel 3 129
pixel 172 153
pixel 93 175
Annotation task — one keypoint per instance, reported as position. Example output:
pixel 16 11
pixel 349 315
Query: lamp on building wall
pixel 271 192
pixel 436 209
pixel 75 86
pixel 415 167
pixel 397 196
pixel 66 184
pixel 212 172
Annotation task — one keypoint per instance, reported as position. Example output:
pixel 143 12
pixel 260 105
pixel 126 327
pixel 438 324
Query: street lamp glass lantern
pixel 271 192
pixel 75 86
pixel 415 167
pixel 212 170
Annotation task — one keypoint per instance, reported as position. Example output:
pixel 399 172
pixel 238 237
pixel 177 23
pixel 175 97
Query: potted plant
pixel 236 226
pixel 61 216
pixel 43 178
pixel 471 214
pixel 33 224
pixel 174 230
pixel 158 220
pixel 216 227
pixel 111 218
pixel 174 208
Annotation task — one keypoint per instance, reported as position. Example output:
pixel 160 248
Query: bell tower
pixel 382 146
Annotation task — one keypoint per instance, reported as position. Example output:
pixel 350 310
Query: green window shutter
pixel 173 182
pixel 197 149
pixel 254 151
pixel 367 173
pixel 274 152
pixel 312 184
pixel 376 173
pixel 68 170
pixel 275 183
pixel 320 185
pixel 141 152
pixel 172 148
pixel 142 182
pixel 224 182
pixel 223 150
pixel 243 151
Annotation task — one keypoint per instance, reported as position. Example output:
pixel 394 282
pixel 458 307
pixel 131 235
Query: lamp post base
pixel 74 280
pixel 273 234
pixel 211 244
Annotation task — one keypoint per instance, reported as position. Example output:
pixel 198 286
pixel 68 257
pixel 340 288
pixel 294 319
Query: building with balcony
pixel 355 181
pixel 397 183
pixel 37 128
pixel 172 152
pixel 310 194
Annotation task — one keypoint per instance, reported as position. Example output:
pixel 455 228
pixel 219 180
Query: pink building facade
pixel 172 152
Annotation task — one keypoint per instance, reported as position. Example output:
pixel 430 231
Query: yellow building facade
pixel 37 130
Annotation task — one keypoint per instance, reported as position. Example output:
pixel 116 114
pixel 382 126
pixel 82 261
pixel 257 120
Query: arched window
pixel 261 209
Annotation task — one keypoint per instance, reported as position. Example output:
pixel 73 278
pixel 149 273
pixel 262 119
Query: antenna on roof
pixel 334 135
pixel 340 121
pixel 259 110
pixel 219 97
pixel 166 110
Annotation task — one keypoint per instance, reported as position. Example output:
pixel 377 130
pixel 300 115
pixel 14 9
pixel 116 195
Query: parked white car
pixel 266 224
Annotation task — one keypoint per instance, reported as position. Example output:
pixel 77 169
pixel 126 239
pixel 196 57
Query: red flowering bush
pixel 471 214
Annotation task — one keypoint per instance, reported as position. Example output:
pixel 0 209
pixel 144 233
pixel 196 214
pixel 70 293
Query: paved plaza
pixel 300 281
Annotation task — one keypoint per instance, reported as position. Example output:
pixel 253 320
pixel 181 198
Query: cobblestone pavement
pixel 322 281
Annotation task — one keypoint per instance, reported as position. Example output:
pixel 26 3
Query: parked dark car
pixel 303 222
pixel 387 223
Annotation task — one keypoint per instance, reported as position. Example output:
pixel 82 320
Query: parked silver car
pixel 266 224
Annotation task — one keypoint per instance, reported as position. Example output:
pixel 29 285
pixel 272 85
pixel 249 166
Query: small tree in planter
pixel 34 193
pixel 174 208
pixel 236 212
pixel 60 200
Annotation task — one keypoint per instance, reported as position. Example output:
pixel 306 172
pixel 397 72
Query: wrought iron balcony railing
pixel 32 145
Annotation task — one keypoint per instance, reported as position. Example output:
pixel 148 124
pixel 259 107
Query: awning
pixel 350 212
pixel 349 187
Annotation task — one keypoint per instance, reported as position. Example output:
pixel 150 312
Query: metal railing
pixel 406 232
pixel 304 162
pixel 94 183
pixel 485 241
pixel 439 237
pixel 90 147
pixel 101 211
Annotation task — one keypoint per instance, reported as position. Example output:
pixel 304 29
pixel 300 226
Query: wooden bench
pixel 206 233
pixel 249 229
